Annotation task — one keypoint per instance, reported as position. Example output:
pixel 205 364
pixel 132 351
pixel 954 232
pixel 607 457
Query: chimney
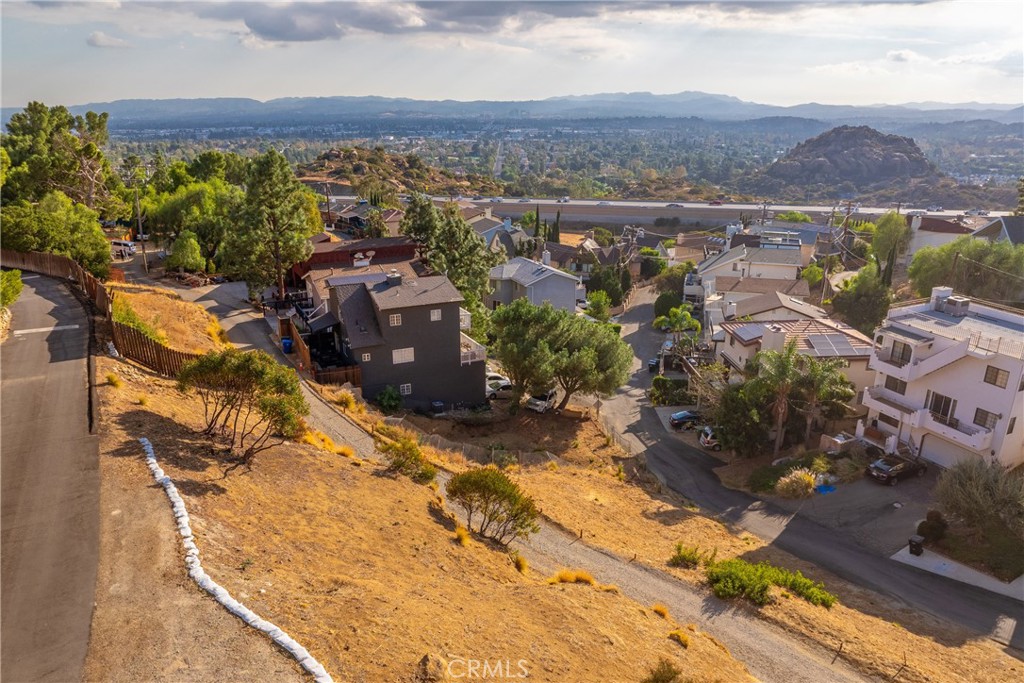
pixel 394 278
pixel 730 310
pixel 508 223
pixel 545 257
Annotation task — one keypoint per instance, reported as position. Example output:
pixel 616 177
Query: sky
pixel 775 52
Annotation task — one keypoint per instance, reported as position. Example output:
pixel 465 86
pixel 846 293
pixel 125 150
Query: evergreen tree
pixel 556 235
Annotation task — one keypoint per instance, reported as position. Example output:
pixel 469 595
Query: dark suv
pixel 889 469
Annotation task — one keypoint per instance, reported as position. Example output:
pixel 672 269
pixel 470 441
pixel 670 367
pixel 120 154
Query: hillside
pixel 356 166
pixel 863 163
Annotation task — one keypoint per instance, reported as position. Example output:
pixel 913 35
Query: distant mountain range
pixel 318 111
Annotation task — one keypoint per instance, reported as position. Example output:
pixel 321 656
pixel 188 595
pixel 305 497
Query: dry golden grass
pixel 113 380
pixel 362 571
pixel 573 576
pixel 660 610
pixel 521 564
pixel 462 535
pixel 186 326
pixel 937 650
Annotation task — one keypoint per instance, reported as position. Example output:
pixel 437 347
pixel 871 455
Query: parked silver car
pixel 542 402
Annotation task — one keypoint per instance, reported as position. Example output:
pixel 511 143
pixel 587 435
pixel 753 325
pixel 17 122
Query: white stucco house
pixel 538 282
pixel 950 381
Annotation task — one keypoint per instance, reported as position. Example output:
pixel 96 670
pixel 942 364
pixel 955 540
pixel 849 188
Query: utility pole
pixel 141 235
pixel 327 194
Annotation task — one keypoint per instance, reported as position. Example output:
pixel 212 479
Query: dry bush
pixel 573 576
pixel 462 535
pixel 143 399
pixel 848 470
pixel 217 333
pixel 660 610
pixel 522 566
pixel 664 672
pixel 113 380
pixel 797 484
pixel 680 637
pixel 609 588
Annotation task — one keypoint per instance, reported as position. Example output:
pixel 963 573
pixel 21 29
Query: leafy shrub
pixel 664 672
pixel 978 491
pixel 798 483
pixel 847 470
pixel 389 400
pixel 505 511
pixel 933 527
pixel 10 287
pixel 738 578
pixel 686 557
pixel 665 303
pixel 764 479
pixel 404 456
pixel 670 392
pixel 820 464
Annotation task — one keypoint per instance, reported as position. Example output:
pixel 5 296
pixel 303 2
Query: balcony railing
pixel 465 319
pixel 971 436
pixel 472 350
pixel 887 356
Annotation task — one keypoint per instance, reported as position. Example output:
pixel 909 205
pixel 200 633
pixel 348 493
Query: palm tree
pixel 778 372
pixel 677 321
pixel 824 388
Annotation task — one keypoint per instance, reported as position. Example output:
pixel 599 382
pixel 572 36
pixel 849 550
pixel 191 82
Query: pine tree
pixel 555 232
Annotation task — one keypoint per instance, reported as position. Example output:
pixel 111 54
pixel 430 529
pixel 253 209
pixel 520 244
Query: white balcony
pixel 472 350
pixel 465 319
pixel 894 405
pixel 950 428
pixel 918 366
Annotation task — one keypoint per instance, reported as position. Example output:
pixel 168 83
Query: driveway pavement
pixel 49 487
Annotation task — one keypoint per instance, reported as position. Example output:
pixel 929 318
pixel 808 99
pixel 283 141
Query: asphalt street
pixel 688 471
pixel 49 488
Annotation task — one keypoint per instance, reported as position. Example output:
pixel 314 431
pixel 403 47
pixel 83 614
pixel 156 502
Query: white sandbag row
pixel 220 594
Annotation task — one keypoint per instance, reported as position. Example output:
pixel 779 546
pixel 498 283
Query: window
pixel 406 355
pixel 435 314
pixel 395 319
pixel 994 375
pixel 985 419
pixel 900 354
pixel 404 389
pixel 1013 423
pixel 942 407
pixel 366 358
pixel 895 384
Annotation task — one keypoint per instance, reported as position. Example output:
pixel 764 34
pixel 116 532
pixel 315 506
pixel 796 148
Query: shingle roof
pixel 761 285
pixel 358 315
pixel 774 300
pixel 363 244
pixel 526 271
pixel 424 291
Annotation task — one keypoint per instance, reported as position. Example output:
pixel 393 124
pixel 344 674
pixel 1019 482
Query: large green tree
pixel 824 390
pixel 50 149
pixel 864 300
pixel 522 335
pixel 185 253
pixel 275 225
pixel 891 232
pixel 680 323
pixel 673 278
pixel 590 358
pixel 59 226
pixel 777 374
pixel 608 280
pixel 983 269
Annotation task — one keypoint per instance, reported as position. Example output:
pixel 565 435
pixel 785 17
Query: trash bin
pixel 437 407
pixel 916 544
pixel 652 365
pixel 286 344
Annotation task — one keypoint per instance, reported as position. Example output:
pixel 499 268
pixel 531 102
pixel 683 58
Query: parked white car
pixel 499 389
pixel 542 402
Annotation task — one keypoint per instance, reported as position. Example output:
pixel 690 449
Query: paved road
pixel 49 488
pixel 688 471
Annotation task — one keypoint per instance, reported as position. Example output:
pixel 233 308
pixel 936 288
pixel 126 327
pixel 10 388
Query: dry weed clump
pixel 573 576
pixel 462 535
pixel 113 380
pixel 322 442
pixel 797 484
pixel 609 588
pixel 680 637
pixel 143 399
pixel 660 610
pixel 522 566
pixel 217 333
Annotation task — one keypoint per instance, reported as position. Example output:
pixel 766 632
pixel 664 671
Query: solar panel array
pixel 748 333
pixel 831 345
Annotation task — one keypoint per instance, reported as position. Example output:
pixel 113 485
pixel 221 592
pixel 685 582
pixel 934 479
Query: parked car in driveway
pixel 685 419
pixel 496 377
pixel 499 389
pixel 889 469
pixel 542 402
pixel 709 439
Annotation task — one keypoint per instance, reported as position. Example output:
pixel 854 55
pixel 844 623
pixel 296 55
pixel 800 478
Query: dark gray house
pixel 407 333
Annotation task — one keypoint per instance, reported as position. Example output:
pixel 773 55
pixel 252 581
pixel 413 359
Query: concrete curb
pixel 195 570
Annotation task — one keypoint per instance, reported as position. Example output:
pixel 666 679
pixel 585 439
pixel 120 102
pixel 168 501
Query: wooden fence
pixel 343 375
pixel 131 343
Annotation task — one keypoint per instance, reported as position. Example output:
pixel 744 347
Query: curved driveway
pixel 688 471
pixel 49 488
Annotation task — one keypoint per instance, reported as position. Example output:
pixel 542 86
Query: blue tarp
pixel 824 488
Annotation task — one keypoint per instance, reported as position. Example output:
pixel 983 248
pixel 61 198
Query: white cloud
pixel 101 39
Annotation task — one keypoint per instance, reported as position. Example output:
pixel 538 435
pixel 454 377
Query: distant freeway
pixel 647 211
